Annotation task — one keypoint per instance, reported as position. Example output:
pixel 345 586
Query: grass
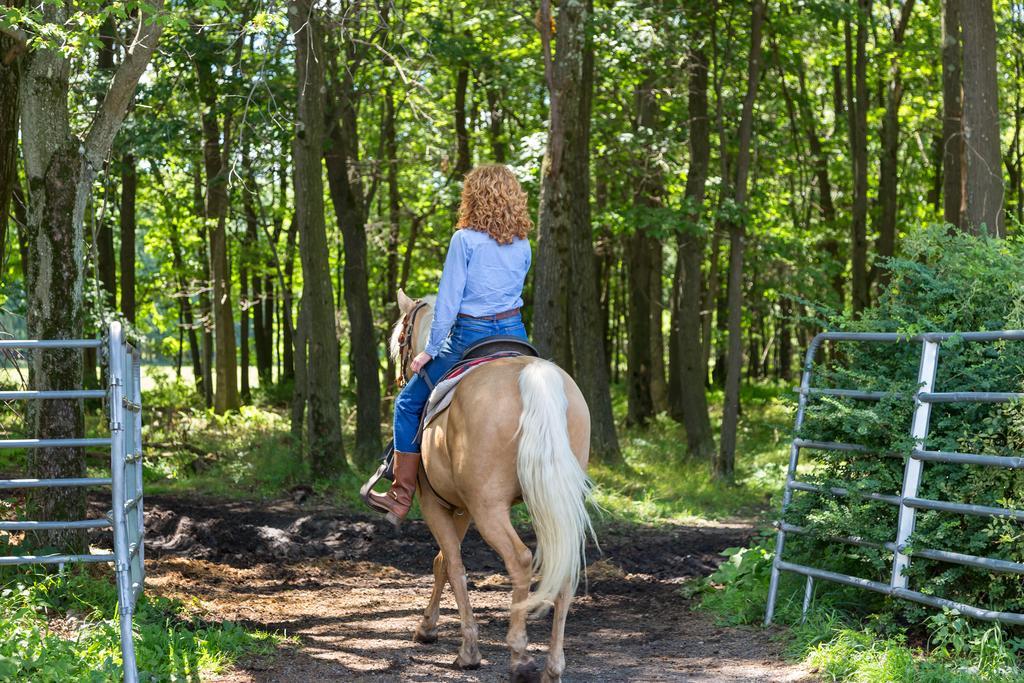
pixel 848 637
pixel 663 485
pixel 64 627
pixel 840 650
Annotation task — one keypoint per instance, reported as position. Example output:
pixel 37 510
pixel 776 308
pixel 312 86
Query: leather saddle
pixel 499 344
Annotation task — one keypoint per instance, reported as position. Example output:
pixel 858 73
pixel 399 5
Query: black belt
pixel 496 316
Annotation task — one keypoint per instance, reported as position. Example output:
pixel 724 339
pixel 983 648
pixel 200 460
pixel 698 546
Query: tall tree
pixel 11 49
pixel 857 106
pixel 687 362
pixel 983 180
pixel 952 111
pixel 643 250
pixel 885 245
pixel 216 153
pixel 350 206
pixel 394 214
pixel 463 156
pixel 317 347
pixel 724 464
pixel 129 190
pixel 248 279
pixel 60 167
pixel 570 331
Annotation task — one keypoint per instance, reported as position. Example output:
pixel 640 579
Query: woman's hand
pixel 421 359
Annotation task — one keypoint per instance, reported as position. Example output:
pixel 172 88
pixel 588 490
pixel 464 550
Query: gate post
pixel 912 471
pixel 118 465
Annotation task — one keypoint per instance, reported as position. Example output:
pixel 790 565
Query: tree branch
pixel 122 87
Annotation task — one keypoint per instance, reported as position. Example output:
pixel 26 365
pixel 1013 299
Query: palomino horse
pixel 517 429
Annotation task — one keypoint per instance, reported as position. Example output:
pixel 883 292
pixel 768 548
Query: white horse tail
pixel 555 487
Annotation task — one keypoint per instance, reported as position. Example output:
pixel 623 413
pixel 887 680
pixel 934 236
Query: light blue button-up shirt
pixel 480 278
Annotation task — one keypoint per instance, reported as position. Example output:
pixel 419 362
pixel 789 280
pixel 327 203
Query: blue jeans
pixel 411 401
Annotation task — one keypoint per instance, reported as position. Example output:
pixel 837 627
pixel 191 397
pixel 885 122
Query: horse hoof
pixel 528 672
pixel 465 666
pixel 548 677
pixel 425 638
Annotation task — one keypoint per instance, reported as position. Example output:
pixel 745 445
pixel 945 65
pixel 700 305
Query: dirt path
pixel 352 592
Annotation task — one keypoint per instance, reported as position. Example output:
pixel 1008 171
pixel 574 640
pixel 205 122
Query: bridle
pixel 405 350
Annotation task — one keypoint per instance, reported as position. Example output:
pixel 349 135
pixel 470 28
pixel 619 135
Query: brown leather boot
pixel 397 501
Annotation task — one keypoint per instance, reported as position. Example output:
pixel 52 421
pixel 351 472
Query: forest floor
pixel 350 591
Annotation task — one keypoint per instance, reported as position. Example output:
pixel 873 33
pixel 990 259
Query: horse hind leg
pixel 497 531
pixel 426 630
pixel 556 654
pixel 446 532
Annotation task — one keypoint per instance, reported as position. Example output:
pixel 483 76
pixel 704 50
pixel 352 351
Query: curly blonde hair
pixel 493 202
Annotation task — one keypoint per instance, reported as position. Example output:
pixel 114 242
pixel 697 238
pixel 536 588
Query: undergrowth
pixel 847 637
pixel 661 484
pixel 64 627
pixel 252 454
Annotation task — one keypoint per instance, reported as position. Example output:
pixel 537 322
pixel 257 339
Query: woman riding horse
pixel 517 429
pixel 479 296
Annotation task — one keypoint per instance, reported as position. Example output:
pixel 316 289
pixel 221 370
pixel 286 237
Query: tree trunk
pixel 885 245
pixel 724 465
pixel 21 225
pixel 263 293
pixel 568 331
pixel 206 313
pixel 785 337
pixel 300 388
pixel 248 279
pixel 691 361
pixel 499 144
pixel 856 66
pixel 952 113
pixel 60 169
pixel 357 301
pixel 830 246
pixel 394 218
pixel 10 76
pixel 260 305
pixel 288 344
pixel 129 189
pixel 107 263
pixel 639 255
pixel 342 158
pixel 1015 160
pixel 187 318
pixel 463 158
pixel 323 389
pixel 983 187
pixel 642 249
pixel 215 156
pixel 659 382
pixel 709 304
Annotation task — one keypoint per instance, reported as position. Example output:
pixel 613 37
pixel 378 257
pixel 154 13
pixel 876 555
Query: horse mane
pixel 396 331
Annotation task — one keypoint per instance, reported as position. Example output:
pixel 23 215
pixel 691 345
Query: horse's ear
pixel 405 304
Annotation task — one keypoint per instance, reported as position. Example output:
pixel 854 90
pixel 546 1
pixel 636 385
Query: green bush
pixel 943 283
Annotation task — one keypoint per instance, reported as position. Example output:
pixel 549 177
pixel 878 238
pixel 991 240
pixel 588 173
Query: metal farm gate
pixel 123 400
pixel 908 500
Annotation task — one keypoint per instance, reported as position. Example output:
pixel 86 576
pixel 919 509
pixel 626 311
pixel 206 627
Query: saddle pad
pixel 444 391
